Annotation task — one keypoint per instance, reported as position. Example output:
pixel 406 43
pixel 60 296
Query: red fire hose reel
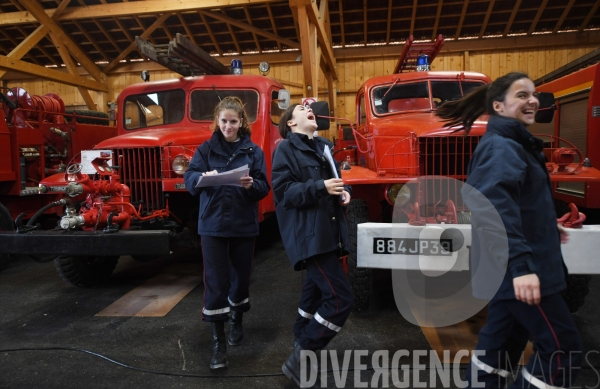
pixel 49 107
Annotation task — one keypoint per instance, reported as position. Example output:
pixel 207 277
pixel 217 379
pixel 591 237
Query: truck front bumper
pixel 405 247
pixel 62 242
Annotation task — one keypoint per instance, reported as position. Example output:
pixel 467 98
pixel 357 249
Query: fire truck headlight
pixel 180 164
pixel 398 194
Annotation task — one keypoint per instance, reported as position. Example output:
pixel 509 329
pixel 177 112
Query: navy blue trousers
pixel 227 268
pixel 558 351
pixel 325 304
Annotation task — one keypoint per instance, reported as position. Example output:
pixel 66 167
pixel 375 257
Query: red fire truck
pixel 133 201
pixel 38 138
pixel 406 167
pixel 577 120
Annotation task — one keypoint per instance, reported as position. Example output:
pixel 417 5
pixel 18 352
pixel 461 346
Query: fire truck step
pixel 461 336
pixel 157 296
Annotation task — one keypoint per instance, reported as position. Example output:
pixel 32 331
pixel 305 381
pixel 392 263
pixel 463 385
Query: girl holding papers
pixel 227 221
pixel 309 201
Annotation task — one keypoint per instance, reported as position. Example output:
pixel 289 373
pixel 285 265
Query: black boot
pixel 236 334
pixel 291 367
pixel 219 356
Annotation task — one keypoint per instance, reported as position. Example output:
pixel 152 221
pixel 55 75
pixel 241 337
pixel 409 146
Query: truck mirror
pixel 283 99
pixel 545 112
pixel 321 111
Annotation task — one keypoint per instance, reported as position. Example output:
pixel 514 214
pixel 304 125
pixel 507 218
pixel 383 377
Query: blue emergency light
pixel 236 66
pixel 423 63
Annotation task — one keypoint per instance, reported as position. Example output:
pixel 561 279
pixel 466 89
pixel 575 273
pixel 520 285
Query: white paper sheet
pixel 329 157
pixel 231 177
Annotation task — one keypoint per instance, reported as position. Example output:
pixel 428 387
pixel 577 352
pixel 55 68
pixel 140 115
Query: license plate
pixel 412 246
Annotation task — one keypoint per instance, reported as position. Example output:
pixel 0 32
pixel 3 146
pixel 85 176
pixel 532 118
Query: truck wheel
pixel 6 224
pixel 578 286
pixel 89 116
pixel 361 279
pixel 85 271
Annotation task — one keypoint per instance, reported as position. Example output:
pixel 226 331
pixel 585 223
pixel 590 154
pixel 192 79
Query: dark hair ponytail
pixel 285 116
pixel 477 102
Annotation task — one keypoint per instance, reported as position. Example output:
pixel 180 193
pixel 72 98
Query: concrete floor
pixel 40 313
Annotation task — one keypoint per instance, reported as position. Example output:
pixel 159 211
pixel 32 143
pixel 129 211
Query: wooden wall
pixel 352 73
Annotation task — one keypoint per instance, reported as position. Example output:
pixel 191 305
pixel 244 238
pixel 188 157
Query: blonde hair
pixel 235 104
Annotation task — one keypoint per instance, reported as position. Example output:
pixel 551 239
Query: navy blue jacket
pixel 508 169
pixel 226 210
pixel 305 211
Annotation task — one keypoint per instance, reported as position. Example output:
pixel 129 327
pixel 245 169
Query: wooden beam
pixel 512 17
pixel 50 74
pixel 332 89
pixel 413 18
pixel 487 17
pixel 389 22
pixel 365 25
pixel 313 14
pixel 462 19
pixel 563 16
pixel 247 27
pixel 210 33
pixel 188 33
pixel 546 41
pixel 273 25
pixel 148 7
pixel 256 42
pixel 36 10
pixel 233 36
pixel 591 14
pixel 72 69
pixel 26 45
pixel 341 7
pixel 308 41
pixel 438 14
pixel 33 38
pixel 536 19
pixel 132 46
pixel 92 41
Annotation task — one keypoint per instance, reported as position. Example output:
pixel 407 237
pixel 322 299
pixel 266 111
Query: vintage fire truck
pixel 577 120
pixel 38 138
pixel 405 167
pixel 127 196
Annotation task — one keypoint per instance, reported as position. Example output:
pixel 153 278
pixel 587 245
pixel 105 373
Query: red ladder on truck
pixel 410 53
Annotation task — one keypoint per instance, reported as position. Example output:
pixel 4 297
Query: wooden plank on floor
pixel 460 336
pixel 157 296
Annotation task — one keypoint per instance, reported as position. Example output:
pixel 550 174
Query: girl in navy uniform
pixel 312 223
pixel 227 222
pixel 508 169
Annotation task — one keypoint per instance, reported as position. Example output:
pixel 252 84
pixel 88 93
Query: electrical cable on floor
pixel 140 369
pixel 182 374
pixel 161 372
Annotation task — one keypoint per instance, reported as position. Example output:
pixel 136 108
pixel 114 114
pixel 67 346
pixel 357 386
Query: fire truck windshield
pixel 154 109
pixel 414 96
pixel 204 101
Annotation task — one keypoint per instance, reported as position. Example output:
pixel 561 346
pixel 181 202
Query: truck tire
pixel 85 271
pixel 6 224
pixel 361 279
pixel 87 116
pixel 578 286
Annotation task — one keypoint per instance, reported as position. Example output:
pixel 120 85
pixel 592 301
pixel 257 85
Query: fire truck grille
pixel 446 156
pixel 443 165
pixel 141 172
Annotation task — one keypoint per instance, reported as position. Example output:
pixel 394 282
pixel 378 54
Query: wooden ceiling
pixel 104 30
